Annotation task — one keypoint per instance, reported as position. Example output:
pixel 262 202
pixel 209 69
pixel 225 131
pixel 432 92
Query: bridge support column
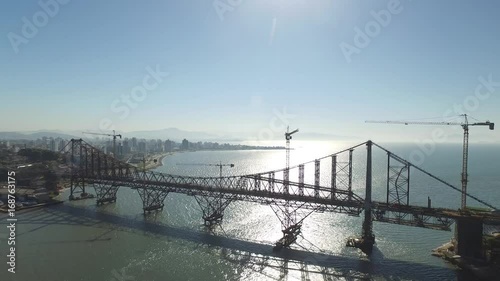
pixel 291 218
pixel 290 226
pixel 152 198
pixel 350 172
pixel 367 237
pixel 334 177
pixel 316 178
pixel 469 238
pixel 301 180
pixel 105 192
pixel 213 207
pixel 77 187
pixel 271 182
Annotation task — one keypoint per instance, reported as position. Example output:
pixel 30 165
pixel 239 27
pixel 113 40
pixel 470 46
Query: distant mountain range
pixel 174 134
pixel 34 135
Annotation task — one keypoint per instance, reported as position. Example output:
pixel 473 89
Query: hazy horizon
pixel 252 68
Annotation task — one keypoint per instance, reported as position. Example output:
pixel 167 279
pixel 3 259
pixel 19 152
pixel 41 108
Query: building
pixel 126 147
pixel 185 144
pixel 159 145
pixel 62 144
pixel 141 147
pixel 134 143
pixel 52 145
pixel 168 146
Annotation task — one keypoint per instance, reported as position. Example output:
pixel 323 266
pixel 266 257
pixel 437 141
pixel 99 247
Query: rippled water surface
pixel 80 241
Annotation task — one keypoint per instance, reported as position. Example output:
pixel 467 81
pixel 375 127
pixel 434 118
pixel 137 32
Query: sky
pixel 250 66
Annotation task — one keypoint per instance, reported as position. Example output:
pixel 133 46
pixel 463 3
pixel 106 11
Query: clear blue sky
pixel 230 75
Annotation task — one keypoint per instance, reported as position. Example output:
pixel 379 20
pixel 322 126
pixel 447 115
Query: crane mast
pixel 288 137
pixel 465 154
pixel 220 165
pixel 465 159
pixel 114 135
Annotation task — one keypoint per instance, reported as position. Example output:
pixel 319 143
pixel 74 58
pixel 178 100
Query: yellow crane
pixel 465 125
pixel 114 135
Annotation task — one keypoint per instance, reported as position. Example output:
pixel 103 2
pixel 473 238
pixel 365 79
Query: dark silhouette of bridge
pixel 291 201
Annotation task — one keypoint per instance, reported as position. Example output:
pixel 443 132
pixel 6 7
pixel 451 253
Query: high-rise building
pixel 62 144
pixel 119 149
pixel 159 145
pixel 185 144
pixel 168 146
pixel 126 146
pixel 52 145
pixel 134 143
pixel 141 147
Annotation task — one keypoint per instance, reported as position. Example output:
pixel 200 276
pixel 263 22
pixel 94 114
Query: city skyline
pixel 256 67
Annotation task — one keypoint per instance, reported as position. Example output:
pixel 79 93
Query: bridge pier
pixel 291 218
pixel 105 192
pixel 152 198
pixel 212 208
pixel 77 188
pixel 469 238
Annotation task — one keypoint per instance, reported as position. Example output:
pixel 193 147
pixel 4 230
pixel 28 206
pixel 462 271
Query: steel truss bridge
pixel 291 201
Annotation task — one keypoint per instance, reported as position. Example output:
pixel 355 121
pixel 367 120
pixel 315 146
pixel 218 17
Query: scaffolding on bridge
pixel 333 187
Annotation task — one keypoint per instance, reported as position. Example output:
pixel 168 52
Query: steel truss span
pixel 292 201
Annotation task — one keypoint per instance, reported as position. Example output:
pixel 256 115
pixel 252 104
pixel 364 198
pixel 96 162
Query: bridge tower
pixel 368 238
pixel 365 243
pixel 77 180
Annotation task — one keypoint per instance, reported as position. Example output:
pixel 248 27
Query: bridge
pixel 331 187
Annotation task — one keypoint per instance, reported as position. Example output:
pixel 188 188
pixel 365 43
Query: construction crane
pixel 109 135
pixel 288 137
pixel 465 125
pixel 220 165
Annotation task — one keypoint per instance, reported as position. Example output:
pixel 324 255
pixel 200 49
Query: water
pixel 80 241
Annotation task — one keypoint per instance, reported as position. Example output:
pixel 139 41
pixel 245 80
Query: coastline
pixel 150 164
pixel 38 205
pixel 480 269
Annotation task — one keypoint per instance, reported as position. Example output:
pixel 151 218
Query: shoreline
pixel 150 164
pixel 480 269
pixel 38 205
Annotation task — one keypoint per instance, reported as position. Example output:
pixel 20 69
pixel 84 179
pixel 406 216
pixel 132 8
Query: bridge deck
pixel 258 190
pixel 93 166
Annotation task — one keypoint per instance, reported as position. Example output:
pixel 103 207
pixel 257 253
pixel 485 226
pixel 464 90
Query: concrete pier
pixel 469 238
